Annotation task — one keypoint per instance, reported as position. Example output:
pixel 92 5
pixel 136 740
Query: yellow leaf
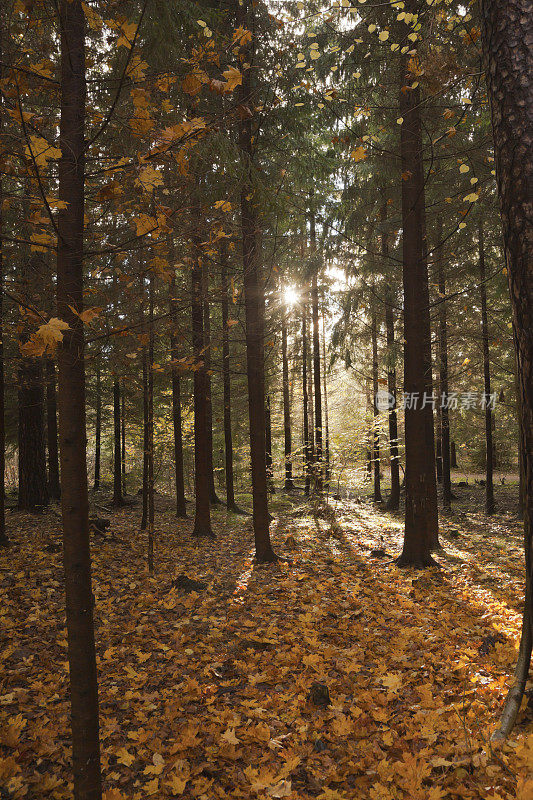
pixel 124 757
pixel 233 78
pixel 359 154
pixel 229 736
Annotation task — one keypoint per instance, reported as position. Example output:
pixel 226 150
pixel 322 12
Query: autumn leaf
pixel 359 154
pixel 233 79
pixel 229 737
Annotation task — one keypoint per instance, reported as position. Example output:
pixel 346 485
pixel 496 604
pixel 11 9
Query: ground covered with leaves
pixel 330 675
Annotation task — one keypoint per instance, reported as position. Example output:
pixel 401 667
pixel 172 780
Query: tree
pixel 489 447
pixel 288 484
pixel 507 33
pixel 72 432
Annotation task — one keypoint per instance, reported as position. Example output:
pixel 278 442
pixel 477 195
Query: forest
pixel 266 399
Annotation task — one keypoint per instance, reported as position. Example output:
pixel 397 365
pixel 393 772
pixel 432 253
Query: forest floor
pixel 212 693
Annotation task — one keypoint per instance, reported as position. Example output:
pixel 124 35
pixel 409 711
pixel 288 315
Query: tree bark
pixel 226 383
pixel 375 428
pixel 420 473
pixel 123 438
pixel 268 446
pixel 316 353
pixel 181 506
pixel 146 437
pixel 308 455
pixel 254 301
pixel 327 472
pixel 393 502
pixel 202 514
pixel 33 483
pixel 288 484
pixel 54 488
pixel 4 541
pixel 118 500
pixel 150 437
pixel 443 377
pixel 213 497
pixel 98 427
pixel 453 455
pixel 507 33
pixel 489 452
pixel 72 424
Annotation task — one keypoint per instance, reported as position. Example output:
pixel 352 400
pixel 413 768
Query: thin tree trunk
pixel 420 474
pixel 226 383
pixel 453 456
pixel 150 437
pixel 202 514
pixel 489 469
pixel 117 464
pixel 507 33
pixel 181 506
pixel 98 427
pixel 268 446
pixel 72 427
pixel 54 488
pixel 316 352
pixel 123 438
pixel 443 378
pixel 375 386
pixel 213 497
pixel 326 415
pixel 288 484
pixel 254 301
pixel 146 442
pixel 305 394
pixel 4 541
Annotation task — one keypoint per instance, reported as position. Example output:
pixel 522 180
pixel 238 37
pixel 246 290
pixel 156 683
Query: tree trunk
pixel 117 465
pixel 420 474
pixel 288 484
pixel 72 429
pixel 150 437
pixel 54 488
pixel 489 452
pixel 254 301
pixel 33 483
pixel 213 497
pixel 316 354
pixel 268 446
pixel 326 415
pixel 393 502
pixel 308 455
pixel 453 456
pixel 443 378
pixel 226 383
pixel 123 438
pixel 98 427
pixel 202 514
pixel 375 428
pixel 146 443
pixel 4 541
pixel 181 507
pixel 507 33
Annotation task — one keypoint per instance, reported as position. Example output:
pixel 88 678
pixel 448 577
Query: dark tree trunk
pixel 453 456
pixel 308 454
pixel 4 541
pixel 393 502
pixel 254 301
pixel 375 428
pixel 326 415
pixel 226 383
pixel 419 472
pixel 123 438
pixel 489 452
pixel 72 429
pixel 202 514
pixel 150 437
pixel 54 488
pixel 98 428
pixel 288 484
pixel 146 437
pixel 507 33
pixel 443 378
pixel 213 497
pixel 268 446
pixel 117 465
pixel 181 507
pixel 316 353
pixel 33 483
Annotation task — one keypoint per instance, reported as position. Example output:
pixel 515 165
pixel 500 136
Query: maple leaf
pixel 229 737
pixel 149 178
pixel 177 783
pixel 129 30
pixel 233 78
pixel 359 154
pixel 281 789
pixel 41 151
pixel 145 224
pixel 125 757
